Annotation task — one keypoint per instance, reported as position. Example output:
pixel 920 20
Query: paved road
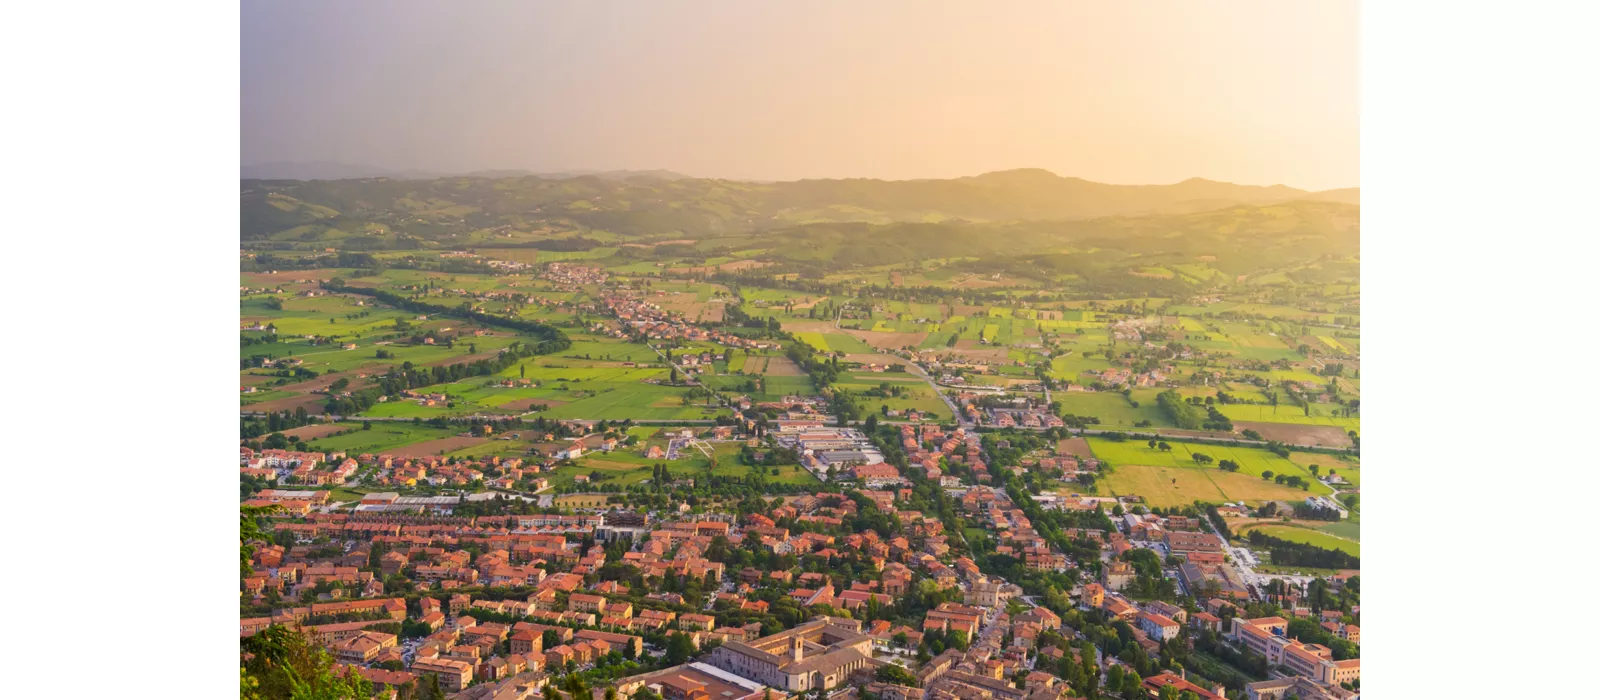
pixel 960 417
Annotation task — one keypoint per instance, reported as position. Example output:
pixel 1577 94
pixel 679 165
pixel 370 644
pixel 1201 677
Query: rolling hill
pixel 663 205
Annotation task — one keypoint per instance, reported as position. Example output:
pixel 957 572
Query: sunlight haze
pixel 1129 92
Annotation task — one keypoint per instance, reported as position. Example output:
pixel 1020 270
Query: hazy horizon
pixel 403 173
pixel 1138 93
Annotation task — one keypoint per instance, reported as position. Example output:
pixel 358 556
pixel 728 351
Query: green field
pixel 916 394
pixel 1312 537
pixel 383 436
pixel 1321 414
pixel 1180 486
pixel 618 401
pixel 1173 478
pixel 815 340
pixel 624 467
pixel 1111 408
pixel 1344 528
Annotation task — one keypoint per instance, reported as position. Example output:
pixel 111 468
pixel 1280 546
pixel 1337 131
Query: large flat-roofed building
pixel 694 680
pixel 1297 686
pixel 1226 579
pixel 454 674
pixel 1265 636
pixel 818 654
pixel 1183 543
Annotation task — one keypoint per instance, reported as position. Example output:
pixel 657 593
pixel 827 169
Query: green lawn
pixel 1344 528
pixel 1311 537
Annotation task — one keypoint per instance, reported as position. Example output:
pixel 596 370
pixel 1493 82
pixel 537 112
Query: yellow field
pixel 1179 486
pixel 1163 486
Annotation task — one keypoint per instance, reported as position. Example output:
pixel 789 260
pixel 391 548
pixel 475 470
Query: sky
pixel 1128 92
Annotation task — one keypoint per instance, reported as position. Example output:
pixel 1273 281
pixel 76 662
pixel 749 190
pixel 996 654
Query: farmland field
pixel 1179 486
pixel 627 467
pixel 1111 408
pixel 1305 536
pixel 382 437
pixel 1286 413
pixel 1174 478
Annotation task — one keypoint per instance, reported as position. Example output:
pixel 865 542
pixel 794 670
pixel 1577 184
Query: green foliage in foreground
pixel 286 663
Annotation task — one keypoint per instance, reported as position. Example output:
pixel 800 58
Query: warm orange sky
pixel 1125 92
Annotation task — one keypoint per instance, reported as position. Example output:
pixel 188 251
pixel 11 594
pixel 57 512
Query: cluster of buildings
pixel 1025 418
pixel 649 321
pixel 574 275
pixel 510 602
pixel 837 453
pixel 310 468
pixel 928 446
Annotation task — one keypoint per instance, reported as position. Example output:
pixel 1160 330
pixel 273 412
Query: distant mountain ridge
pixel 331 170
pixel 663 204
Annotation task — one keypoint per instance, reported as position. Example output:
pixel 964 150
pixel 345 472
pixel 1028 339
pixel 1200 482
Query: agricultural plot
pixel 1166 476
pixel 1252 461
pixel 1162 487
pixel 777 366
pixel 915 393
pixel 619 401
pixel 1321 414
pixel 1347 467
pixel 815 340
pixel 1072 367
pixel 1179 486
pixel 629 467
pixel 1111 408
pixel 383 436
pixel 778 387
pixel 1299 434
pixel 847 343
pixel 1304 535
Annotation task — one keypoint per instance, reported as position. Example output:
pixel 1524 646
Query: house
pixel 454 675
pixel 363 647
pixel 1159 626
pixel 1154 684
pixel 1094 595
pixel 526 643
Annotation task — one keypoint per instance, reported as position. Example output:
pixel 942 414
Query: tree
pixel 249 531
pixel 1266 475
pixel 1164 446
pixel 1114 676
pixel 287 663
pixel 896 674
pixel 679 647
pixel 436 692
